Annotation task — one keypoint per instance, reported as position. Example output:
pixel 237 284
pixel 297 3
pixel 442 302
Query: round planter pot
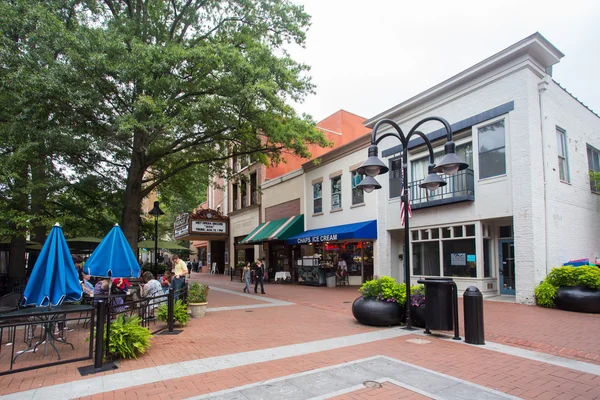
pixel 197 309
pixel 417 315
pixel 578 299
pixel 376 313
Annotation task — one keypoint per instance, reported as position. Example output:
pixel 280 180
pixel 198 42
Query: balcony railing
pixel 235 204
pixel 460 187
pixel 254 198
pixel 244 201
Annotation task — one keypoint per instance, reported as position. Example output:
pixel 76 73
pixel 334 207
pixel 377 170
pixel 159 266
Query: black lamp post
pixel 449 165
pixel 156 212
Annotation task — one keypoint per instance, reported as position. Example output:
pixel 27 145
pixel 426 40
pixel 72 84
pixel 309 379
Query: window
pixel 357 193
pixel 318 198
pixel 492 150
pixel 594 167
pixel 561 148
pixel 336 193
pixel 459 258
pixel 253 191
pixel 426 258
pixel 487 266
pixel 395 178
pixel 243 190
pixel 235 198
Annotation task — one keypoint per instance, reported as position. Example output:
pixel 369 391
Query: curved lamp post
pixel 156 212
pixel 373 166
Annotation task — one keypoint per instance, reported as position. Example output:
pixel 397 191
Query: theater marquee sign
pixel 201 225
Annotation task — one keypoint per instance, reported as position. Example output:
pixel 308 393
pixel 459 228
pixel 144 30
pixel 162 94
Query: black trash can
pixel 441 302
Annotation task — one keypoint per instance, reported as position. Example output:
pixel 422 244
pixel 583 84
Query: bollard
pixel 170 309
pixel 473 310
pixel 100 317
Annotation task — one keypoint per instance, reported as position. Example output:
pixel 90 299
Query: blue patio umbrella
pixel 113 258
pixel 54 277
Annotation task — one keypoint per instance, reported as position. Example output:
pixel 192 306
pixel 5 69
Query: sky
pixel 368 56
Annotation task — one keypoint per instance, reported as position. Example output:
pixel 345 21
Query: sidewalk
pixel 246 340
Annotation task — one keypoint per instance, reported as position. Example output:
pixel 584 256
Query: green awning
pixel 279 229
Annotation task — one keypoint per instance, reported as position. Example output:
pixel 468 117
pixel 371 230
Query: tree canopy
pixel 105 101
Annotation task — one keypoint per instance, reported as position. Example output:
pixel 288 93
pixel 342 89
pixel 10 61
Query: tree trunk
pixel 132 203
pixel 39 196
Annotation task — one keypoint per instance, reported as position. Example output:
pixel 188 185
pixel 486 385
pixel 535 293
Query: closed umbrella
pixel 54 277
pixel 113 258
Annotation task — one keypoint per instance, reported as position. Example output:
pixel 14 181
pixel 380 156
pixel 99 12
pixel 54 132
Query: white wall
pixel 349 214
pixel 282 189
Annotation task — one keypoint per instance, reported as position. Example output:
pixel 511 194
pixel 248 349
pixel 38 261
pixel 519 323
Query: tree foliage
pixel 109 100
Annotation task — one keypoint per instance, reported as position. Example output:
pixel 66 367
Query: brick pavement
pixel 323 313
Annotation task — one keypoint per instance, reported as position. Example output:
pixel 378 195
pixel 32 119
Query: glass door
pixel 506 249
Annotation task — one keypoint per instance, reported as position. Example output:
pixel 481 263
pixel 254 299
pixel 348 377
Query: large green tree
pixel 140 91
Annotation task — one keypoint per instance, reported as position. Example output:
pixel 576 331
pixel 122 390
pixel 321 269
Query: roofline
pixel 536 45
pixel 359 143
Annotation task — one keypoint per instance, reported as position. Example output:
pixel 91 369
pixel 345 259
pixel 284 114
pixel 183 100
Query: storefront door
pixel 506 248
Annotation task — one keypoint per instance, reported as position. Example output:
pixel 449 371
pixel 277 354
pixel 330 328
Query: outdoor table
pixel 282 275
pixel 47 318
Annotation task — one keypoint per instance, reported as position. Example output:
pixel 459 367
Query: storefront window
pixel 426 258
pixel 459 258
pixel 367 260
pixel 351 253
pixel 487 267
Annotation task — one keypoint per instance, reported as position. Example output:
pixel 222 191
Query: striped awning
pixel 279 229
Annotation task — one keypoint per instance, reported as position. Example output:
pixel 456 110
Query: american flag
pixel 402 210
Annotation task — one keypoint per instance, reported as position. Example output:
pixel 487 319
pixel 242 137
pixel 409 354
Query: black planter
pixel 578 299
pixel 377 313
pixel 417 315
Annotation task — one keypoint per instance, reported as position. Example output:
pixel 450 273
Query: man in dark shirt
pixel 259 276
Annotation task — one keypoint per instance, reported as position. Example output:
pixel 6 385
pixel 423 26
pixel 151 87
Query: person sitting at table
pixel 151 288
pixel 122 284
pixel 86 285
pixel 102 289
pixel 165 282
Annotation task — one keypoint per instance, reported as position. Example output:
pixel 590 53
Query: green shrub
pixel 384 289
pixel 545 294
pixel 180 313
pixel 128 338
pixel 566 276
pixel 197 293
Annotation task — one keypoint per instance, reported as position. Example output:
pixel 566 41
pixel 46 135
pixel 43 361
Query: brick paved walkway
pixel 325 313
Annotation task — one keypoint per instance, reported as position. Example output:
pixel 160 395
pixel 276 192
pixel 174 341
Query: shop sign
pixel 182 225
pixel 209 227
pixel 459 259
pixel 317 239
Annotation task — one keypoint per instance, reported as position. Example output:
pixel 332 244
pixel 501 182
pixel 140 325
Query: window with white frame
pixel 318 198
pixel 446 251
pixel 492 149
pixel 561 148
pixel 336 193
pixel 358 196
pixel 594 167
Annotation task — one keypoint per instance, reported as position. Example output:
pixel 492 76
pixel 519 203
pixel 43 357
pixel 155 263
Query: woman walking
pixel 246 274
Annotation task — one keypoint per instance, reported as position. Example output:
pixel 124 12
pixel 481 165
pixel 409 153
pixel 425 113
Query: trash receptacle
pixel 330 278
pixel 441 302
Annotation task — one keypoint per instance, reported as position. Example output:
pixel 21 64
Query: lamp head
pixel 156 211
pixel 433 180
pixel 368 184
pixel 373 166
pixel 451 163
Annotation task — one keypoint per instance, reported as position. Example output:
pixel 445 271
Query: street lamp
pixel 373 166
pixel 156 212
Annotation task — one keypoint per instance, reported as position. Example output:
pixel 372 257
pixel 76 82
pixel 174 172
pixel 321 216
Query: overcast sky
pixel 367 56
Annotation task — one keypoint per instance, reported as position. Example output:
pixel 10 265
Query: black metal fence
pixel 70 333
pixel 459 187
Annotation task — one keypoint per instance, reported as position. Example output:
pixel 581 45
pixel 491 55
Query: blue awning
pixel 360 230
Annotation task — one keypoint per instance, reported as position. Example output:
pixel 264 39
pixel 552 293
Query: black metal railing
pixel 38 337
pixel 460 187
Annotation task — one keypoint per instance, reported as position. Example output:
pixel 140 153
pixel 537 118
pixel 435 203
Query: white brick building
pixel 524 205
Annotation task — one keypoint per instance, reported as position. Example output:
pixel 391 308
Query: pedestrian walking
pixel 246 272
pixel 259 276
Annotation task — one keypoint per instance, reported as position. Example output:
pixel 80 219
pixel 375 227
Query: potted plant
pixel 382 302
pixel 417 305
pixel 571 288
pixel 197 299
pixel 180 313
